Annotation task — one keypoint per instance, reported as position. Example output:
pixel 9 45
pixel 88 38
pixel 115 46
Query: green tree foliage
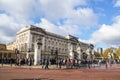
pixel 84 56
pixel 105 53
pixel 118 53
pixel 97 55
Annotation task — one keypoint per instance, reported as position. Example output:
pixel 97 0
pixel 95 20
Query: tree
pixel 84 56
pixel 118 53
pixel 105 53
pixel 111 50
pixel 97 55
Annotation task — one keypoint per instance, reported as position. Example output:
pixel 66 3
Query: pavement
pixel 26 66
pixel 37 73
pixel 95 66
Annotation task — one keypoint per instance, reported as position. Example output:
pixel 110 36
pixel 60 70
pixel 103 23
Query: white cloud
pixel 108 34
pixel 20 9
pixel 5 39
pixel 52 10
pixel 83 16
pixel 8 27
pixel 61 30
pixel 87 41
pixel 7 22
pixel 73 29
pixel 116 19
pixel 117 3
pixel 48 26
pixel 18 13
pixel 56 10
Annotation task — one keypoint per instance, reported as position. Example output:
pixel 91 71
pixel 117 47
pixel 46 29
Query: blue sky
pixel 92 21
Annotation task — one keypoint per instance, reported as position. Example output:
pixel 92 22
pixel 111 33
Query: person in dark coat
pixel 46 64
pixel 30 62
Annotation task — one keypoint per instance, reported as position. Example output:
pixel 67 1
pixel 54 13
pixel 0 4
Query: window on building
pixel 51 38
pixel 49 42
pixel 49 48
pixel 59 44
pixel 52 42
pixel 33 38
pixel 56 43
pixel 25 46
pixel 60 50
pixel 65 50
pixel 45 48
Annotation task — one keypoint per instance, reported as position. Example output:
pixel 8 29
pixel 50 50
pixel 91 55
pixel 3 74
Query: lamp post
pixel 16 55
pixel 52 55
pixel 56 57
pixel 56 54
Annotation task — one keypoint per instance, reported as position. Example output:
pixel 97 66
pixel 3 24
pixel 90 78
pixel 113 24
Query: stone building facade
pixel 2 46
pixel 51 43
pixel 4 53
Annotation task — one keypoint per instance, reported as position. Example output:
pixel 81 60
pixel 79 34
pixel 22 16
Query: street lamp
pixel 56 56
pixel 16 55
pixel 56 53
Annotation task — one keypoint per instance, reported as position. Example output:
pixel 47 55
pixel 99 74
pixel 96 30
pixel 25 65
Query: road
pixel 17 73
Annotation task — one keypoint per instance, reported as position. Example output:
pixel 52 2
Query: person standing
pixel 43 63
pixel 11 61
pixel 106 63
pixel 30 62
pixel 2 62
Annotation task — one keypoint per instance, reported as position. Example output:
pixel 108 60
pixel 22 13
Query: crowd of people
pixel 86 61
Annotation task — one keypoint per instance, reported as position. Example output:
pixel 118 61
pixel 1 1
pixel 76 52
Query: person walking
pixel 46 64
pixel 60 63
pixel 68 63
pixel 106 63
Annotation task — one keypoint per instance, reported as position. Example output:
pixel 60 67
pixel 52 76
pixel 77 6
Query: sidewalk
pixel 114 66
pixel 26 66
pixel 63 67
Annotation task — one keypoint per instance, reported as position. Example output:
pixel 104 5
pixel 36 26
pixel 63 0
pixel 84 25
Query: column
pixel 43 43
pixel 37 53
pixel 71 53
pixel 29 40
pixel 27 55
pixel 79 53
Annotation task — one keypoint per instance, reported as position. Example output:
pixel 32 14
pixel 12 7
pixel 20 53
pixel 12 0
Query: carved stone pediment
pixel 37 29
